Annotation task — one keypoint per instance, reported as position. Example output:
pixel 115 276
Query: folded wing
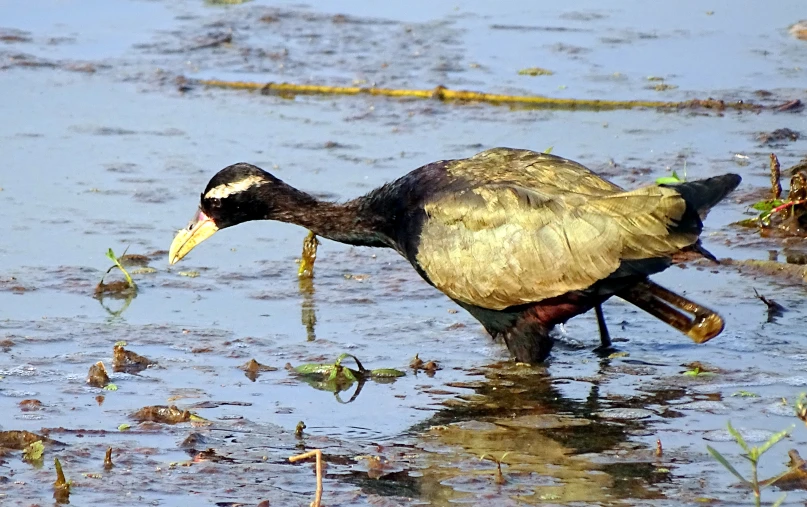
pixel 506 244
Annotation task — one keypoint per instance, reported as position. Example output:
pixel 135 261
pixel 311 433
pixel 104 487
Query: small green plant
pixel 119 288
pixel 336 371
pixel 753 454
pixel 337 377
pixel 670 180
pixel 111 255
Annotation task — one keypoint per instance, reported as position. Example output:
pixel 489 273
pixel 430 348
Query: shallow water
pixel 101 148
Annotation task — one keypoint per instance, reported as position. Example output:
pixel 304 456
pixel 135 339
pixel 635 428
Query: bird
pixel 522 240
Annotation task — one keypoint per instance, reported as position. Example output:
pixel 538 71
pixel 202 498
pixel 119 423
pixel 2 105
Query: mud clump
pixel 163 414
pixel 252 369
pixel 117 288
pixel 30 405
pixel 127 361
pixel 778 137
pixel 98 376
pixel 19 440
pixel 429 367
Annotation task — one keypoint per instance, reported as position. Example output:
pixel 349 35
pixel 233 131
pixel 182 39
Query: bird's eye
pixel 215 202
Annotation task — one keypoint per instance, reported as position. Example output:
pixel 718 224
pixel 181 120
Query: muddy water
pixel 101 148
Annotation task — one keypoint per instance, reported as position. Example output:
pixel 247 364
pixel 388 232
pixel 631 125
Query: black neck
pixel 351 223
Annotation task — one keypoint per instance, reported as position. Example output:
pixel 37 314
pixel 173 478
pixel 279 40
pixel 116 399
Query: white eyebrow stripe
pixel 227 189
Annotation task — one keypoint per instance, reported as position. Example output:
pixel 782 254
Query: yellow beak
pixel 200 228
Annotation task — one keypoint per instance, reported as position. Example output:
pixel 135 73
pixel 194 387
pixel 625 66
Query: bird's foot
pixel 604 351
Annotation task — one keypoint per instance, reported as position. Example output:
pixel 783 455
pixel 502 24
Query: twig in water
pixel 310 454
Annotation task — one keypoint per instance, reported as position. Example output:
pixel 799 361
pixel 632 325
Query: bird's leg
pixel 605 337
pixel 528 340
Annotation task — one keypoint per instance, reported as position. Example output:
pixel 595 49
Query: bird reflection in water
pixel 552 446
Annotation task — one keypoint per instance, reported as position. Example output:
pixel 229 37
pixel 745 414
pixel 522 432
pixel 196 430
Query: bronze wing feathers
pixel 535 235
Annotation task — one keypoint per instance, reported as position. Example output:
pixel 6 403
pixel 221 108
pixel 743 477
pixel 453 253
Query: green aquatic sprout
pixel 753 454
pixel 124 427
pixel 130 284
pixel 111 255
pixel 670 180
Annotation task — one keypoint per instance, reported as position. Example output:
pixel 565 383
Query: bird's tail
pixel 694 320
pixel 702 195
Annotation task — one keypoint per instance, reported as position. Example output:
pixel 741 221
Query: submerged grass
pixel 444 94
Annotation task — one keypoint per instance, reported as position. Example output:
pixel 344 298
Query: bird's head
pixel 236 194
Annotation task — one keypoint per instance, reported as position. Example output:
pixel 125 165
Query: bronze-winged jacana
pixel 521 240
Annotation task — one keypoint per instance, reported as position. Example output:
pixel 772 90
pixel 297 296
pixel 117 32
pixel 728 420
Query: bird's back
pixel 507 227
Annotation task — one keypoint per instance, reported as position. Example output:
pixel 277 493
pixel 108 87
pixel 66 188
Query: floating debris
pixel 144 271
pixel 792 106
